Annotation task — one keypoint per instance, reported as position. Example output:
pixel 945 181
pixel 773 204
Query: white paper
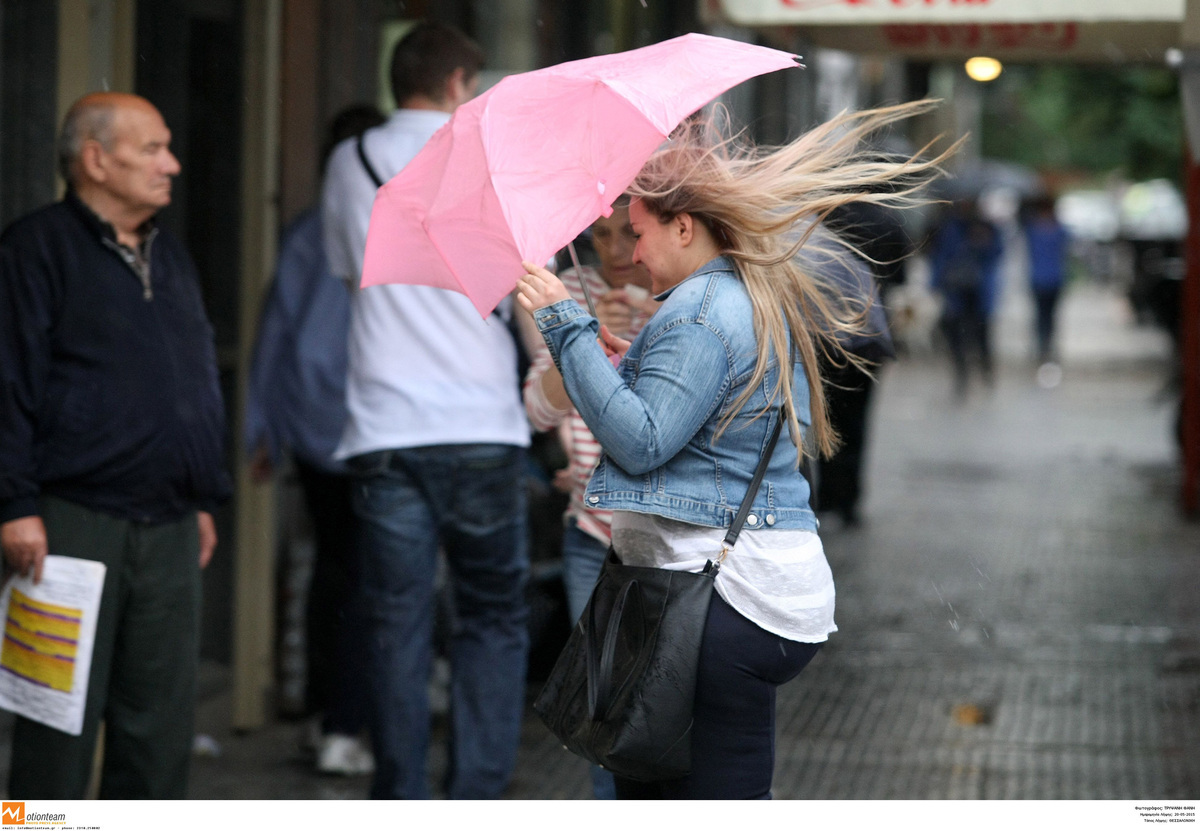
pixel 49 633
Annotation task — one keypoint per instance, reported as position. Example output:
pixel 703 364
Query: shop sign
pixel 992 38
pixel 954 12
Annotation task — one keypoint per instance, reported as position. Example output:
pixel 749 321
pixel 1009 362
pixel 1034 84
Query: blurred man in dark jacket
pixel 879 234
pixel 111 444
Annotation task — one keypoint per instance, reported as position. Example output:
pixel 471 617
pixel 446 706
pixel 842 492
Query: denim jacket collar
pixel 720 263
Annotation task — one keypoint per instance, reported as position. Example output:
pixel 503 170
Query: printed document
pixel 49 632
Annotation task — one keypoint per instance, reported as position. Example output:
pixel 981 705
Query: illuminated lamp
pixel 983 69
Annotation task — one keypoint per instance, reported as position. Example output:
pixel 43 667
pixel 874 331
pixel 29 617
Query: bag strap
pixel 740 519
pixel 366 163
pixel 601 658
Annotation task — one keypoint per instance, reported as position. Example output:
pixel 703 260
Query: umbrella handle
pixel 587 293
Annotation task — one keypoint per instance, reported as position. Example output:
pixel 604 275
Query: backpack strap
pixel 366 163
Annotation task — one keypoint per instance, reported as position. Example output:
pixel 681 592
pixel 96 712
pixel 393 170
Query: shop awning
pixel 1108 30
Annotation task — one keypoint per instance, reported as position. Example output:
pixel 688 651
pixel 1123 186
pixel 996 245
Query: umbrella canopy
pixel 521 170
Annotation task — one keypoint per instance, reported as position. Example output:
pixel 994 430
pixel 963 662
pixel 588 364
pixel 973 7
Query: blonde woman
pixel 685 418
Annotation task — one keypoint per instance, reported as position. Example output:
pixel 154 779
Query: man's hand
pixel 24 544
pixel 208 536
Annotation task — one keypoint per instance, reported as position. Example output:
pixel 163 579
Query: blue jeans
pixel 471 500
pixel 583 555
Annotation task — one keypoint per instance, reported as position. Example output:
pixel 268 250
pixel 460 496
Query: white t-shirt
pixel 778 579
pixel 424 368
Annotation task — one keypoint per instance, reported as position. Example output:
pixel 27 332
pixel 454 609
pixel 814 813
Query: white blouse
pixel 777 579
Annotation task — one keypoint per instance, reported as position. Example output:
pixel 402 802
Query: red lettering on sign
pixel 807 5
pixel 1060 37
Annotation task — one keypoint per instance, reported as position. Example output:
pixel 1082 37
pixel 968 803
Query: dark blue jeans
pixel 470 500
pixel 336 639
pixel 733 736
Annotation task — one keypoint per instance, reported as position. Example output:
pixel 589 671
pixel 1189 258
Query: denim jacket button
pixel 770 519
pixel 752 520
pixel 593 500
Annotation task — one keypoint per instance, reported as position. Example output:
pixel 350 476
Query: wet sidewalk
pixel 1018 613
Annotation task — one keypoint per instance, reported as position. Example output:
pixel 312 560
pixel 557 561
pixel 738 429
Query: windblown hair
pixel 762 205
pixel 90 119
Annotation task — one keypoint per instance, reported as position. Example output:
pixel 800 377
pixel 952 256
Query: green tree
pixel 1092 119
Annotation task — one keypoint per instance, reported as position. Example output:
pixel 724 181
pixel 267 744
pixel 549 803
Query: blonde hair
pixel 762 205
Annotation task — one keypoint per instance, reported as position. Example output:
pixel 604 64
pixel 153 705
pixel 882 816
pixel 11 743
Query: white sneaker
pixel 344 756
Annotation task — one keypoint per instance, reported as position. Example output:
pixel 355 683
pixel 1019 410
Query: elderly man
pixel 435 438
pixel 111 437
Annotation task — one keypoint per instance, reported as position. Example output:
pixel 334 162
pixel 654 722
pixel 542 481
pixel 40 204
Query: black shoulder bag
pixel 621 694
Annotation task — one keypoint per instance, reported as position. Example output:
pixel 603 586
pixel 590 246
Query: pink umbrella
pixel 521 170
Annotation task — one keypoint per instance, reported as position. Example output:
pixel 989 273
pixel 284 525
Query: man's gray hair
pixel 84 122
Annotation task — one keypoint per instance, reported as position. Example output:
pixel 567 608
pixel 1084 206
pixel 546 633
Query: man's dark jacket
pixel 108 388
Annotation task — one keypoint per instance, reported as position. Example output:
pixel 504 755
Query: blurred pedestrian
pixel 1048 244
pixel 880 234
pixel 965 262
pixel 435 438
pixel 849 385
pixel 111 445
pixel 296 404
pixel 623 303
pixel 685 417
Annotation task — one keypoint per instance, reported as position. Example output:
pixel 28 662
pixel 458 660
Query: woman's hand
pixel 614 347
pixel 563 481
pixel 640 299
pixel 614 311
pixel 539 288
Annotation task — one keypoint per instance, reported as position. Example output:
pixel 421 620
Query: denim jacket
pixel 657 414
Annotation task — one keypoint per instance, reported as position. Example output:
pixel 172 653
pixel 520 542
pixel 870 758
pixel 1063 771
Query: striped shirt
pixel 581 448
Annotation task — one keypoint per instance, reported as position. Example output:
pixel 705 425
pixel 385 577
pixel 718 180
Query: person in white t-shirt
pixel 435 438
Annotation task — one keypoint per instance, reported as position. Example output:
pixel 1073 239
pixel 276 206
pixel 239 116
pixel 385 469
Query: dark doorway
pixel 189 64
